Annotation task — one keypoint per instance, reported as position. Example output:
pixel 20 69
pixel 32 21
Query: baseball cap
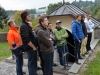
pixel 58 21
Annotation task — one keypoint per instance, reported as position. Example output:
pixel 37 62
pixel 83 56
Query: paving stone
pixel 10 69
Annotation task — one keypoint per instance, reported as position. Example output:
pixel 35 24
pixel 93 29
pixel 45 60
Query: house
pixel 67 13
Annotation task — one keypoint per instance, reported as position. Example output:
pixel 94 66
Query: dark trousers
pixel 32 62
pixel 19 64
pixel 41 58
pixel 77 50
pixel 88 47
pixel 48 63
pixel 60 50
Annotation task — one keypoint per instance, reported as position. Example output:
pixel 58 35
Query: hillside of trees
pixel 11 12
pixel 88 6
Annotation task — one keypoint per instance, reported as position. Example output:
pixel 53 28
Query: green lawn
pixel 93 67
pixel 4 50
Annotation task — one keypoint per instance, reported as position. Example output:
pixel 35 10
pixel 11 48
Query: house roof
pixel 71 9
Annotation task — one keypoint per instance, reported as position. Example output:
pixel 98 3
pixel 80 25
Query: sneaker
pixel 87 53
pixel 68 65
pixel 83 55
pixel 38 68
pixel 24 72
pixel 90 51
pixel 55 64
pixel 67 68
pixel 53 70
pixel 78 63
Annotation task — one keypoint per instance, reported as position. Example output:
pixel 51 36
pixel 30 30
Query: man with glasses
pixel 89 26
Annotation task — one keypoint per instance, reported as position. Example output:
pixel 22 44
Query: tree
pixel 95 10
pixel 3 17
pixel 98 15
pixel 52 7
pixel 35 22
pixel 97 1
pixel 17 17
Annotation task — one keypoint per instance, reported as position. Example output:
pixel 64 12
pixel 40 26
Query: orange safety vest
pixel 14 37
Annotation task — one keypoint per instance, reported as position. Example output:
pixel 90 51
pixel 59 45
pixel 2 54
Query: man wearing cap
pixel 61 35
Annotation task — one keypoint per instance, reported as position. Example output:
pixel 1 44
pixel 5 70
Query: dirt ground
pixel 90 59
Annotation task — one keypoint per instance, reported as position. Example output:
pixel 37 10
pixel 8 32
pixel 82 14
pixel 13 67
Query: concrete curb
pixel 75 68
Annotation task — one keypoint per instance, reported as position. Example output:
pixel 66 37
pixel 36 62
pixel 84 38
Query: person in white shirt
pixel 89 26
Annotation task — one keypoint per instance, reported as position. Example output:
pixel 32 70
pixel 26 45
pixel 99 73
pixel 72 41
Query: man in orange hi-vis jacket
pixel 15 42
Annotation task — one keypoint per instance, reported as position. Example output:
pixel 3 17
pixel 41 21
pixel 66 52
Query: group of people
pixel 43 40
pixel 82 29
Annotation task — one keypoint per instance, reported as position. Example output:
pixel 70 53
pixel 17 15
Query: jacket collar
pixel 14 28
pixel 43 27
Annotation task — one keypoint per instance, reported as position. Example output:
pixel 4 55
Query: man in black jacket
pixel 46 45
pixel 29 43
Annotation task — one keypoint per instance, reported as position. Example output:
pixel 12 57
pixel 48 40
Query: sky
pixel 28 4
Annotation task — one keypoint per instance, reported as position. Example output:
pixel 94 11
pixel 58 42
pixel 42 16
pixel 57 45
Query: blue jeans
pixel 60 50
pixel 19 64
pixel 32 62
pixel 77 50
pixel 48 63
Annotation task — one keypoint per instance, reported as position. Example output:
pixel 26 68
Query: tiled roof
pixel 71 9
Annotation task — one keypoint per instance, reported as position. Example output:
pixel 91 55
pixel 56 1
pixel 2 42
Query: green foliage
pixel 35 22
pixel 17 18
pixel 32 11
pixel 4 50
pixel 3 16
pixel 32 17
pixel 97 1
pixel 5 29
pixel 52 7
pixel 95 10
pixel 42 8
pixel 98 14
pixel 86 9
pixel 94 67
pixel 82 4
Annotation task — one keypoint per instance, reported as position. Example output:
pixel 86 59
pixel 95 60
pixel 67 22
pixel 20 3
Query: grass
pixel 4 50
pixel 93 67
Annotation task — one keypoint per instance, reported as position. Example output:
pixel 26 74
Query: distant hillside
pixel 11 12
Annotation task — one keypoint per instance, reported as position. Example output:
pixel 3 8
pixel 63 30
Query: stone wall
pixel 97 33
pixel 3 36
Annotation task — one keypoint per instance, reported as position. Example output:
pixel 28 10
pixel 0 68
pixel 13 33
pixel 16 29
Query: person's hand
pixel 51 36
pixel 50 39
pixel 34 49
pixel 79 41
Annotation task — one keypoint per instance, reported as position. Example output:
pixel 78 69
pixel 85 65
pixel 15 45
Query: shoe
pixel 24 72
pixel 38 68
pixel 83 55
pixel 55 64
pixel 78 63
pixel 67 67
pixel 87 53
pixel 90 51
pixel 80 58
pixel 53 70
pixel 36 74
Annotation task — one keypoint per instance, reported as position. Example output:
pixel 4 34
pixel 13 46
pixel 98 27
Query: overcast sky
pixel 28 4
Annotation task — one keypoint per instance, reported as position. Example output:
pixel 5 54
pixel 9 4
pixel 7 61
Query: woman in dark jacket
pixel 84 40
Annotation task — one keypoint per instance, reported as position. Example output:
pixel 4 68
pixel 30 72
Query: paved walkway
pixel 9 69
